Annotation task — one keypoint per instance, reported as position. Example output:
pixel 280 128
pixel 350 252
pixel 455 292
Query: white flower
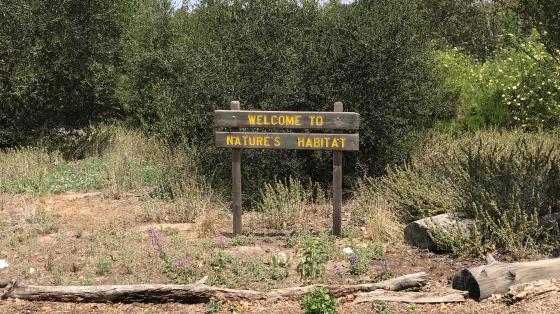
pixel 3 264
pixel 347 250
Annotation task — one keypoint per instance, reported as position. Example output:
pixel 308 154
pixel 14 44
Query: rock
pixel 3 264
pixel 417 232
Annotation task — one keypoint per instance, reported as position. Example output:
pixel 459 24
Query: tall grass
pixel 290 204
pixel 117 161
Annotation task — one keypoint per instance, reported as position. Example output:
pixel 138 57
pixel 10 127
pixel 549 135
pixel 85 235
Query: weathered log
pixel 530 290
pixel 193 293
pixel 497 277
pixel 410 297
pixel 417 233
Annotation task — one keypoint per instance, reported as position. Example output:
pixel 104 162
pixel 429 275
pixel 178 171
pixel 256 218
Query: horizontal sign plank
pixel 287 119
pixel 309 141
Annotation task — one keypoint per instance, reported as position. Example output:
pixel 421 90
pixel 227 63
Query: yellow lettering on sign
pixel 277 141
pixel 229 139
pixel 343 141
pixel 317 142
pixel 252 119
pixel 334 142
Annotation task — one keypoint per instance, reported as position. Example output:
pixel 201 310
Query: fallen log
pixel 410 297
pixel 530 290
pixel 497 277
pixel 193 293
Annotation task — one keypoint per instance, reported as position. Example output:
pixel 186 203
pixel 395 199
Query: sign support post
pixel 236 180
pixel 337 184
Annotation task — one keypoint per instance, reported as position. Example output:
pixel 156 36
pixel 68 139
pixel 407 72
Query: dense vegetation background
pixel 406 66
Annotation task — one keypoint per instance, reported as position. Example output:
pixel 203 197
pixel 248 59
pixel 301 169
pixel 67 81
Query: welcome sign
pixel 338 120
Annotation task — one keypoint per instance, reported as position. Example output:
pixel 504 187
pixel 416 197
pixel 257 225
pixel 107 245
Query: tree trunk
pixel 193 293
pixel 496 277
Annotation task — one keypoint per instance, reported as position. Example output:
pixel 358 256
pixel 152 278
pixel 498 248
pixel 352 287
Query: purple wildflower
pixel 184 262
pixel 156 241
pixel 385 268
pixel 337 269
pixel 220 240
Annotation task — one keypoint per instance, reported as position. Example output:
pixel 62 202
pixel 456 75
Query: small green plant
pixel 213 306
pixel 218 264
pixel 241 240
pixel 381 307
pixel 280 259
pixel 318 302
pixel 312 260
pixel 103 266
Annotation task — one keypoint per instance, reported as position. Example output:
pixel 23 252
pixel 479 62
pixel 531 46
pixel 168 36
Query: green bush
pixel 282 55
pixel 318 302
pixel 517 88
pixel 504 180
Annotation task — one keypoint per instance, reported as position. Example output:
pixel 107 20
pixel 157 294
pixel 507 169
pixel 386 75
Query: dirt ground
pixel 70 255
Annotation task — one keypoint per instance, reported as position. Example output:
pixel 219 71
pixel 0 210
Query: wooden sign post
pixel 337 142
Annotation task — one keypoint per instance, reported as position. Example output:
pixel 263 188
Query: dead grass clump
pixel 288 204
pixel 375 214
pixel 31 222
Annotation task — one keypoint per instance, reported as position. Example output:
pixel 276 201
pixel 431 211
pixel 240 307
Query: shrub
pixel 318 302
pixel 505 181
pixel 180 67
pixel 517 88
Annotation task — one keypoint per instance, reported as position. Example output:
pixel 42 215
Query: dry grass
pixel 291 205
pixel 375 214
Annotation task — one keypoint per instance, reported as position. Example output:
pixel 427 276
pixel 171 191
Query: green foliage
pixel 281 55
pixel 543 15
pixel 213 306
pixel 505 181
pixel 470 25
pixel 362 257
pixel 59 66
pixel 103 266
pixel 456 239
pixel 517 88
pixel 380 307
pixel 313 256
pixel 318 302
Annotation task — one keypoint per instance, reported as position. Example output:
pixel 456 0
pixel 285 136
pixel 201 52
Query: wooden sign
pixel 338 142
pixel 287 119
pixel 343 142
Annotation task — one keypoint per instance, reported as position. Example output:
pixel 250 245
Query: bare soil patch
pixel 98 240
